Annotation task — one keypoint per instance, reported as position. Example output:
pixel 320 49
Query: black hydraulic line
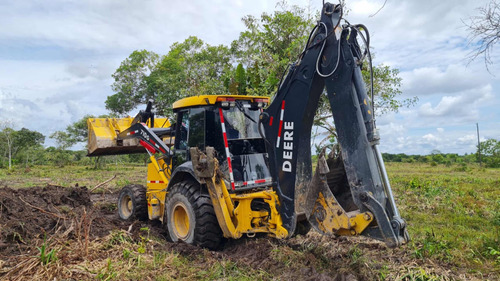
pixel 308 41
pixel 321 53
pixel 370 62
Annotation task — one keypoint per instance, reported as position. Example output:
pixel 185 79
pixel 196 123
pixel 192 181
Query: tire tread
pixel 207 233
pixel 138 194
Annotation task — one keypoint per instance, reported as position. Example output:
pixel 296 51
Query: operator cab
pixel 230 125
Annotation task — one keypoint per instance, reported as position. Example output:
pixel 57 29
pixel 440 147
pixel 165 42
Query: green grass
pixel 137 259
pixel 452 213
pixel 72 175
pixel 46 256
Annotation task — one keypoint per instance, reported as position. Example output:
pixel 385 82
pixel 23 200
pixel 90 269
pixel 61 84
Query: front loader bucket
pixel 103 134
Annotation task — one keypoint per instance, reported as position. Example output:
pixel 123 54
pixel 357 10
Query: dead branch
pixel 103 183
pixel 484 32
pixel 372 15
pixel 42 210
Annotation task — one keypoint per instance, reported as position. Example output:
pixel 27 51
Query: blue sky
pixel 57 57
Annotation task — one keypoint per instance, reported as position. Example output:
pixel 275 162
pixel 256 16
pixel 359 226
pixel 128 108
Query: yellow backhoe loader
pixel 234 165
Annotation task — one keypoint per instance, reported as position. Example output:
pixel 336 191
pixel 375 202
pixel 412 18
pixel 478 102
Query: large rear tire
pixel 132 203
pixel 191 216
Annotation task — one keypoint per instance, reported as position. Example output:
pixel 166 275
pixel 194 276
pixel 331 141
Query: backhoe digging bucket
pixel 103 134
pixel 330 208
pixel 325 213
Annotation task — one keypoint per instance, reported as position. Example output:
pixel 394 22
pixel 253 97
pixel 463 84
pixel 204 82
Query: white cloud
pixel 364 7
pixel 118 25
pixel 433 80
pixel 430 138
pixel 467 139
pixel 43 96
pixel 460 108
pixel 98 70
pixel 451 142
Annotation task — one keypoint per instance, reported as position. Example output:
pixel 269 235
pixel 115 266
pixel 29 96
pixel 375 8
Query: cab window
pixel 197 128
pixel 182 130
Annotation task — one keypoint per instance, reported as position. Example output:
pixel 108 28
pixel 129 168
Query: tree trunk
pixel 9 145
pixel 97 162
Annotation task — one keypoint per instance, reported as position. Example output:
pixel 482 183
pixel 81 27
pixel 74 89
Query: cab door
pixel 189 132
pixel 181 138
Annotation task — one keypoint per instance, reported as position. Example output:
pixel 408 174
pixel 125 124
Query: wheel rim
pixel 181 221
pixel 127 206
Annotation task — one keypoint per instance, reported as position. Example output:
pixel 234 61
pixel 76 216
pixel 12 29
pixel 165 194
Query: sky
pixel 57 58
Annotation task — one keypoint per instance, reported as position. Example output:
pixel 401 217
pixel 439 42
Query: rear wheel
pixel 132 203
pixel 191 216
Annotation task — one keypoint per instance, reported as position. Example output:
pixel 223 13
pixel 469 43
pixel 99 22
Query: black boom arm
pixel 331 58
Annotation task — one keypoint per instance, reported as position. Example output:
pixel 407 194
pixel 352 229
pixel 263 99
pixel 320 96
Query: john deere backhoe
pixel 233 165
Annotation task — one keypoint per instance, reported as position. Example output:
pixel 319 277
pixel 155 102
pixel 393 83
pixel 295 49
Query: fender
pixel 182 172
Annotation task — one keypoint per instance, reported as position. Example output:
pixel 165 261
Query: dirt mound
pixel 37 212
pixel 29 212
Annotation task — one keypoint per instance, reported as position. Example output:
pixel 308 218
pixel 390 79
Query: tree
pixel 490 152
pixel 63 139
pixel 484 31
pixel 27 142
pixel 241 79
pixel 19 144
pixel 7 138
pixel 190 68
pixel 130 84
pixel 270 44
pixel 386 88
pixel 78 131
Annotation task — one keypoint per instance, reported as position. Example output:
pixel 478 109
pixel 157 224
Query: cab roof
pixel 210 100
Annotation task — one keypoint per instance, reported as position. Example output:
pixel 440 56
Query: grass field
pixel 121 175
pixel 453 215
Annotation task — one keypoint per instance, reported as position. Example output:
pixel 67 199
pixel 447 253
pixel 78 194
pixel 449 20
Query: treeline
pixel 25 148
pixel 58 157
pixel 437 158
pixel 488 154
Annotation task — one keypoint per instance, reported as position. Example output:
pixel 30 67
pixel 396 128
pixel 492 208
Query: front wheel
pixel 191 216
pixel 132 203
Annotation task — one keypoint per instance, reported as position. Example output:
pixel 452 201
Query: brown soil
pixel 32 213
